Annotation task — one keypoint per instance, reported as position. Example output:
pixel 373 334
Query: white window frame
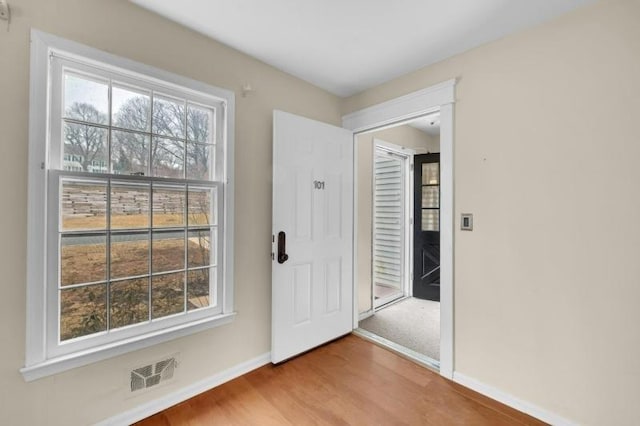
pixel 42 358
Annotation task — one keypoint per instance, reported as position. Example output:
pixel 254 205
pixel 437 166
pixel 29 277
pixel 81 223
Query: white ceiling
pixel 346 46
pixel 429 124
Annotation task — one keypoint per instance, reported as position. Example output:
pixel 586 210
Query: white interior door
pixel 312 227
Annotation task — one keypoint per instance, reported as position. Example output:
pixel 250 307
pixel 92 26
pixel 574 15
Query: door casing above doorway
pixel 439 97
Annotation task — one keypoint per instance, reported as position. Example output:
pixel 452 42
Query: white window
pixel 130 196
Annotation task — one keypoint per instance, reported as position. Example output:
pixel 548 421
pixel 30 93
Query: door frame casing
pixel 407 156
pixel 439 97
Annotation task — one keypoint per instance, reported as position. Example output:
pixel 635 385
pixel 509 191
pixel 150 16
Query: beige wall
pixel 406 136
pixel 89 394
pixel 547 285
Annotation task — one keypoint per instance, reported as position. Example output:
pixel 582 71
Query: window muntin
pixel 139 252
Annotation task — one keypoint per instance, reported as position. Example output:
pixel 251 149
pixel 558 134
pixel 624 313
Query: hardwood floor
pixel 346 382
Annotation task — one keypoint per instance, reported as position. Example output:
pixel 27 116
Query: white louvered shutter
pixel 388 219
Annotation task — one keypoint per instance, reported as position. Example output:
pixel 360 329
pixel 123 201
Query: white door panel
pixel 312 205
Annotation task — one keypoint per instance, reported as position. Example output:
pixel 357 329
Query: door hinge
pixel 411 167
pixel 273 240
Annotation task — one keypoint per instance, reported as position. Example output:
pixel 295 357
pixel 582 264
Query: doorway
pixel 398 311
pixel 294 297
pixel 437 98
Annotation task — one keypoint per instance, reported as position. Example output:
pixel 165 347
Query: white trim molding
pixel 99 353
pixel 397 149
pixel 407 353
pixel 152 407
pixel 439 97
pixel 512 401
pixel 364 315
pixel 42 356
pixel 447 279
pixel 404 108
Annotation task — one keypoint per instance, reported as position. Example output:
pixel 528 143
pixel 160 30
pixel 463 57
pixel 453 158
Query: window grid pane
pixel 85 148
pixel 115 283
pixel 201 288
pixel 130 108
pixel 430 173
pixel 130 205
pixel 83 259
pixel 83 205
pixel 167 158
pixel 169 205
pixel 140 256
pixel 83 311
pixel 201 206
pixel 168 116
pixel 167 294
pixel 199 161
pixel 130 152
pixel 129 302
pixel 86 98
pixel 430 220
pixel 430 197
pixel 200 124
pixel 183 133
pixel 201 248
pixel 168 251
pixel 129 254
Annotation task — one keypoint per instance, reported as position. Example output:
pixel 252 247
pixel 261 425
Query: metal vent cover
pixel 152 374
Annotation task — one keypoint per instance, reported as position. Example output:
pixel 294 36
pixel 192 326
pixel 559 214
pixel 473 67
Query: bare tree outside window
pixel 165 137
pixel 85 143
pixel 130 149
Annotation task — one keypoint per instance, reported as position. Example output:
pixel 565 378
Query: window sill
pixel 63 363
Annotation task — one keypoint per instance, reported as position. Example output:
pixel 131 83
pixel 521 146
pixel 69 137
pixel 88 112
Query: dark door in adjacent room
pixel 426 227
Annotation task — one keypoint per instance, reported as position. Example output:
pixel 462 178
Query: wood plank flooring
pixel 347 382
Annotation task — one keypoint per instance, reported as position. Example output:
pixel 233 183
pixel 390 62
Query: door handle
pixel 282 247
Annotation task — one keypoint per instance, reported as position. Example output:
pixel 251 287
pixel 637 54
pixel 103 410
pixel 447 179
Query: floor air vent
pixel 152 374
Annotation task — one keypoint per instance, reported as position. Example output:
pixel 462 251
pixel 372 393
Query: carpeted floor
pixel 412 323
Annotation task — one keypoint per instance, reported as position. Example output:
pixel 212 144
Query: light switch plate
pixel 466 222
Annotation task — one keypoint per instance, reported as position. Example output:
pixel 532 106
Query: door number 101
pixel 318 184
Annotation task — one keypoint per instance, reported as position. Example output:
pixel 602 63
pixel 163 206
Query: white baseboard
pixel 364 315
pixel 145 410
pixel 511 401
pixel 152 407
